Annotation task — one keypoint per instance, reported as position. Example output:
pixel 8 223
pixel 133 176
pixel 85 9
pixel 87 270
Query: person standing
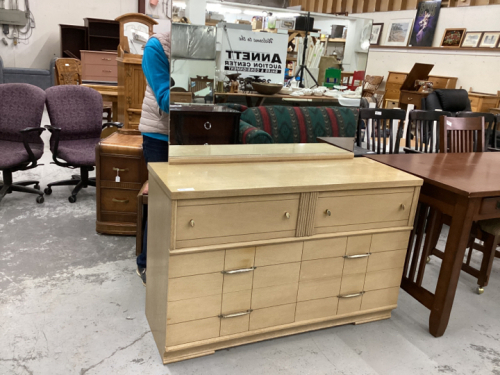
pixel 155 119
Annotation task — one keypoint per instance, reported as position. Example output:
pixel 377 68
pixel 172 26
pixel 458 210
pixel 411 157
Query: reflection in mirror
pixel 137 35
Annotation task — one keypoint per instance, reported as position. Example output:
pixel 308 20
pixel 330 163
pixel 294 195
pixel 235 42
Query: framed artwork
pixel 376 33
pixel 472 39
pixel 490 39
pixel 452 37
pixel 399 32
pixel 425 23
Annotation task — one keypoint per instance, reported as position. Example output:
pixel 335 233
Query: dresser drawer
pixel 276 275
pixel 362 209
pixel 272 316
pixel 386 260
pixel 277 254
pixel 316 309
pixel 239 269
pixel 193 309
pixel 99 58
pixel 318 288
pixel 349 303
pixel 352 284
pixel 490 206
pixel 129 169
pixel 393 86
pixel 195 264
pixel 93 70
pixel 325 248
pixel 389 241
pixel 396 78
pixel 392 94
pixel 233 219
pixel 234 325
pixel 383 279
pixel 274 296
pixel 196 330
pixel 414 99
pixel 194 286
pixel 235 312
pixel 119 200
pixel 439 83
pixel 321 268
pixel 380 298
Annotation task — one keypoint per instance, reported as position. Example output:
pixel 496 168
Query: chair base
pixel 7 187
pixel 80 182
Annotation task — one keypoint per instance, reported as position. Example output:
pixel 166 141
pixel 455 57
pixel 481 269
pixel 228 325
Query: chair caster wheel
pixel 72 199
pixel 48 191
pixel 40 199
pixel 428 260
pixel 480 290
pixel 37 187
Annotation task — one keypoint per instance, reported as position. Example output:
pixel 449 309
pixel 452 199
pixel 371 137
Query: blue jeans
pixel 155 151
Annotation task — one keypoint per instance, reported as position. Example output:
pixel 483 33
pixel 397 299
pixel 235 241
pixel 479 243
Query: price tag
pixel 378 113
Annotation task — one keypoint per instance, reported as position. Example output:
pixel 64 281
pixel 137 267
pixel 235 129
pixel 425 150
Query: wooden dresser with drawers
pixel 99 66
pixel 245 251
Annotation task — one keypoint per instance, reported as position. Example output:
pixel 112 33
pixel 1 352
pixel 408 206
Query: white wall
pixel 45 42
pixel 478 70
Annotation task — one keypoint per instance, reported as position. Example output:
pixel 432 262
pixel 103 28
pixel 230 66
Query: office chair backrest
pixel 21 107
pixel 77 110
pixel 451 100
pixel 459 135
pixel 490 125
pixel 379 129
pixel 425 127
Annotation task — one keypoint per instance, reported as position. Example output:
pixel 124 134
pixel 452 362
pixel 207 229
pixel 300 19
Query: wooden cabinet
pixel 121 155
pixel 481 102
pixel 73 40
pixel 247 251
pixel 103 35
pixel 200 125
pixel 99 66
pixel 131 90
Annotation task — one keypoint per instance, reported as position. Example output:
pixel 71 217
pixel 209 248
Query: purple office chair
pixel 76 123
pixel 21 110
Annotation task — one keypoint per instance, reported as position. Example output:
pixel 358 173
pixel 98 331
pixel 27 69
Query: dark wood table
pixel 346 143
pixel 249 95
pixel 465 187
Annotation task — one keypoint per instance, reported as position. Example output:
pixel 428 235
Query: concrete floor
pixel 71 303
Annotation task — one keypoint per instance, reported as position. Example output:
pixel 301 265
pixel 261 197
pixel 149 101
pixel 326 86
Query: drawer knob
pixel 120 170
pixel 105 59
pixel 352 295
pixel 328 213
pixel 207 125
pixel 410 98
pixel 241 270
pixel 236 314
pixel 357 256
pixel 120 200
pixel 287 215
pixel 403 207
pixel 191 223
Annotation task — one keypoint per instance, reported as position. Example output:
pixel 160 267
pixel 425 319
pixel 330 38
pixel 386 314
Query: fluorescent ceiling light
pixel 179 4
pixel 254 12
pixel 213 7
pixel 285 15
pixel 230 10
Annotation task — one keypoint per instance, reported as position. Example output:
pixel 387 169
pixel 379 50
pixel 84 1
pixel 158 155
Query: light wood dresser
pixel 99 66
pixel 248 250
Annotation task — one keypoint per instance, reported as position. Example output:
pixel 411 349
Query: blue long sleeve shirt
pixel 156 68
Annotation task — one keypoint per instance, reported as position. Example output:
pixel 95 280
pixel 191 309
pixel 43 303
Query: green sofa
pixel 280 124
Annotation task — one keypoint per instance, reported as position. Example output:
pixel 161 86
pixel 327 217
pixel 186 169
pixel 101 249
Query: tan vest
pixel 153 119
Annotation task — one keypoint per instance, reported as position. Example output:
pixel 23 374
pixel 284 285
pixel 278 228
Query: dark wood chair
pixel 490 125
pixel 379 130
pixel 458 135
pixel 424 125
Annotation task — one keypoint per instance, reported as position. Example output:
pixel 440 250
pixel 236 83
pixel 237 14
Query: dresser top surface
pixel 194 181
pixel 209 154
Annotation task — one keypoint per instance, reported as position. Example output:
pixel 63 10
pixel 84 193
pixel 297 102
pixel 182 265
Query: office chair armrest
pixel 118 125
pixel 493 149
pixel 25 132
pixel 54 140
pixel 411 151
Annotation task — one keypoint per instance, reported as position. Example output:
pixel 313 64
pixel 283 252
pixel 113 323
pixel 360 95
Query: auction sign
pixel 254 54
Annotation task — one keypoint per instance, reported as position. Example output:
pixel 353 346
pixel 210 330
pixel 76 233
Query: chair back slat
pixel 490 125
pixel 425 127
pixel 459 135
pixel 380 136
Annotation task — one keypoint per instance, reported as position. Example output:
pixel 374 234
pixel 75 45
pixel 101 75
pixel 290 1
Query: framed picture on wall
pixel 376 33
pixel 453 37
pixel 472 39
pixel 490 39
pixel 399 32
pixel 425 23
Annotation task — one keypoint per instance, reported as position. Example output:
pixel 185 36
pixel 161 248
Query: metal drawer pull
pixel 191 223
pixel 328 213
pixel 403 207
pixel 352 295
pixel 235 315
pixel 106 71
pixel 410 98
pixel 120 170
pixel 120 200
pixel 357 256
pixel 105 59
pixel 238 271
pixel 287 215
pixel 207 125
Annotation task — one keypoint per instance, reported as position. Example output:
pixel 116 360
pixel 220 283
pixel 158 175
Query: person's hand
pixel 146 189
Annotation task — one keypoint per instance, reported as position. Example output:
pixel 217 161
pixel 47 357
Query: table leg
pixel 249 101
pixel 115 111
pixel 451 267
pixel 260 101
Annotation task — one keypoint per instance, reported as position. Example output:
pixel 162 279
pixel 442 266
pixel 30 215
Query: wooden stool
pixel 142 200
